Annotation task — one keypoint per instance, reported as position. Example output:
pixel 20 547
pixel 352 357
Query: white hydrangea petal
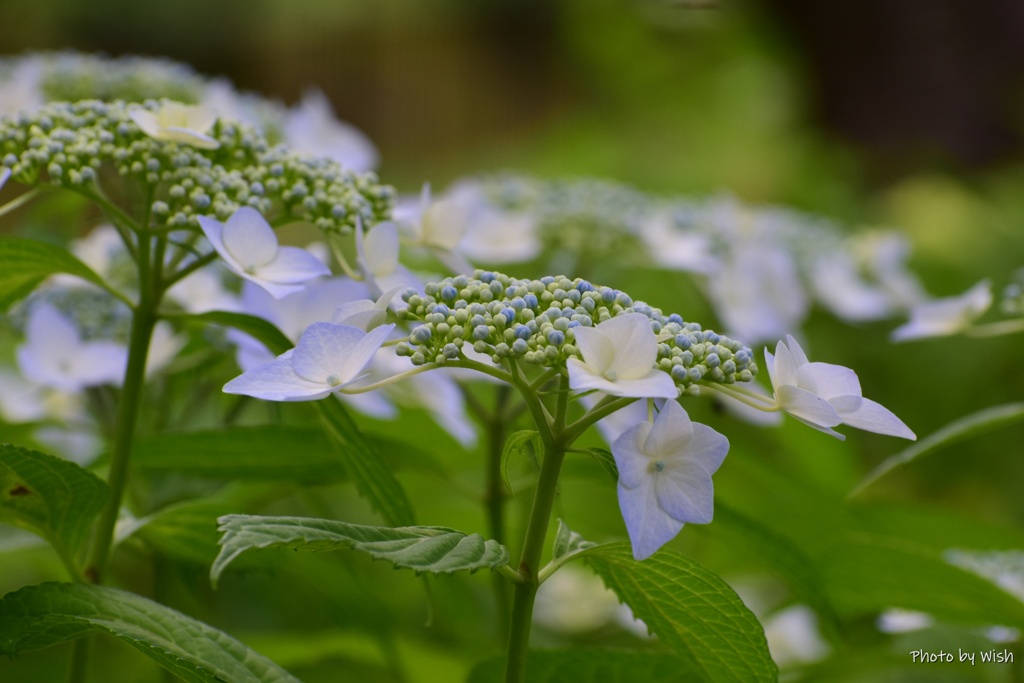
pixel 444 224
pixel 381 248
pixel 648 525
pixel 870 416
pixel 365 349
pixel 636 347
pixel 144 119
pixel 656 384
pixel 808 407
pixel 277 381
pixel 799 357
pixel 323 351
pixel 828 380
pixel 250 240
pixel 784 367
pixel 597 350
pixel 292 265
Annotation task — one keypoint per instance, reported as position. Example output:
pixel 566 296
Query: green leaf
pixel 865 573
pixel 606 459
pixel 590 666
pixel 359 456
pixel 262 330
pixel 24 263
pixel 436 550
pixel 692 611
pixel 525 442
pixel 964 428
pixel 568 544
pixel 52 497
pixel 252 453
pixel 40 616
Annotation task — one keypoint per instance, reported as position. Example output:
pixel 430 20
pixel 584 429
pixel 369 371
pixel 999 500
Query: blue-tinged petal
pixel 671 432
pixel 323 350
pixel 292 265
pixel 648 525
pixel 630 460
pixel 277 381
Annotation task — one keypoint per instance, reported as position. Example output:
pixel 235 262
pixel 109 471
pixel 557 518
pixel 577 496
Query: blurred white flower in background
pixel 311 128
pixel 943 317
pixel 54 354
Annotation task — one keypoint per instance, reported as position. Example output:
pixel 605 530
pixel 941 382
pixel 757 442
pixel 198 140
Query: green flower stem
pixel 495 495
pixel 143 320
pixel 19 201
pixel 552 436
pixel 189 269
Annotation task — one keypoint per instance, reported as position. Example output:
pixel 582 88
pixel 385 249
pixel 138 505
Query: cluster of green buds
pixel 70 144
pixel 534 321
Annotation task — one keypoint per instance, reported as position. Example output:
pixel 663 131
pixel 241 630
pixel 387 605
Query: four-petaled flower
pixel 248 246
pixel 823 395
pixel 665 473
pixel 326 359
pixel 177 122
pixel 618 359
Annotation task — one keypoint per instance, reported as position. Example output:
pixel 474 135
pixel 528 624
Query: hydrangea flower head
pixel 177 122
pixel 823 395
pixel 665 473
pixel 249 248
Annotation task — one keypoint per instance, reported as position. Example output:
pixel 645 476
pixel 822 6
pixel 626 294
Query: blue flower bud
pixel 555 337
pixel 449 293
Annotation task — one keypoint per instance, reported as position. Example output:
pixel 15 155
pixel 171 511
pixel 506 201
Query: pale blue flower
pixel 327 358
pixel 665 473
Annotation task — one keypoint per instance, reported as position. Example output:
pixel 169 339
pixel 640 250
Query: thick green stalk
pixel 143 320
pixel 536 530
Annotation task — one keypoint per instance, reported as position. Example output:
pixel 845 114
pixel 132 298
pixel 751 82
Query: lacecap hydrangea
pixel 534 321
pixel 69 144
